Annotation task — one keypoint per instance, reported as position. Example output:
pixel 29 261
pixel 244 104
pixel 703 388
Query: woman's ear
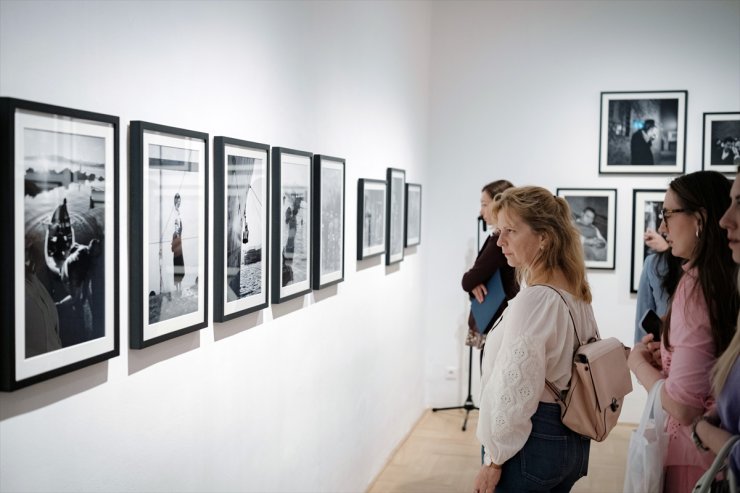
pixel 700 216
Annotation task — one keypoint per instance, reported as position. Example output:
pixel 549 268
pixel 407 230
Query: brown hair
pixel 496 187
pixel 549 216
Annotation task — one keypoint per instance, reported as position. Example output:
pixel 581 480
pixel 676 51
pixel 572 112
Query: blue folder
pixel 484 312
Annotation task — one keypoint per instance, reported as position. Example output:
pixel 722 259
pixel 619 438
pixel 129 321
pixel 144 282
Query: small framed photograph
pixel 594 213
pixel 412 233
pixel 646 206
pixel 241 185
pixel 60 222
pixel 168 240
pixel 291 223
pixel 395 215
pixel 643 132
pixel 328 218
pixel 721 142
pixel 371 203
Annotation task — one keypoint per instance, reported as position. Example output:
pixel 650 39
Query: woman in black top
pixel 490 259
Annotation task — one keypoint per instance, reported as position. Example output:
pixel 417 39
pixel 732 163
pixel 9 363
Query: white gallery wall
pixel 310 395
pixel 515 90
pixel 314 394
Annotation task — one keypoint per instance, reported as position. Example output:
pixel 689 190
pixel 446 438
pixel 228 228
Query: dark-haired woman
pixel 700 322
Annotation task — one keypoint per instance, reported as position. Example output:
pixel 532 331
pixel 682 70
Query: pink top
pixel 688 366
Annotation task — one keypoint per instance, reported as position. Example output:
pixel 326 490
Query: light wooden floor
pixel 438 457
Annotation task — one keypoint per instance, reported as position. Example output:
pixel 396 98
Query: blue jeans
pixel 552 459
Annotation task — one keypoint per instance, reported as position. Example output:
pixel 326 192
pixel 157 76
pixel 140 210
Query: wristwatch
pixel 697 440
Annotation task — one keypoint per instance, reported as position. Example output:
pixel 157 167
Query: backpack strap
pixel 578 337
pixel 560 394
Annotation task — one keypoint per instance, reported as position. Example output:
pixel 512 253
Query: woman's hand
pixel 644 363
pixel 640 355
pixel 654 348
pixel 480 292
pixel 486 480
pixel 655 241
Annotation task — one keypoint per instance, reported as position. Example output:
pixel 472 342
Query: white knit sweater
pixel 533 340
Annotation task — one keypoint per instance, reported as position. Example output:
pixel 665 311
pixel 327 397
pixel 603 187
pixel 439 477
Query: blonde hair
pixel 551 217
pixel 724 364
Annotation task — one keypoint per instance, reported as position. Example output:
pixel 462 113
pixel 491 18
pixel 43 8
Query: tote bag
pixel 648 447
pixel 708 482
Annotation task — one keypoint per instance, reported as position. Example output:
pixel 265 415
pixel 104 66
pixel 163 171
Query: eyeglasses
pixel 667 213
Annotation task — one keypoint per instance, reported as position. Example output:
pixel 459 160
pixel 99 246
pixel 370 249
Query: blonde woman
pixel 527 447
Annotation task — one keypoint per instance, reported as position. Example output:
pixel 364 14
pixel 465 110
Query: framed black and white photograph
pixel 371 203
pixel 168 239
pixel 328 214
pixel 241 229
pixel 412 234
pixel 291 223
pixel 60 223
pixel 721 142
pixel 646 206
pixel 594 212
pixel 643 132
pixel 395 215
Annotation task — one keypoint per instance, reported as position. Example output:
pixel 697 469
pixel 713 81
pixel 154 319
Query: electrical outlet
pixel 451 373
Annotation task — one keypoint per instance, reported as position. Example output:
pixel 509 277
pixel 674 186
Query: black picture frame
pixel 594 213
pixel 371 217
pixel 632 122
pixel 646 206
pixel 328 220
pixel 291 231
pixel 718 151
pixel 412 224
pixel 241 227
pixel 395 215
pixel 168 290
pixel 60 220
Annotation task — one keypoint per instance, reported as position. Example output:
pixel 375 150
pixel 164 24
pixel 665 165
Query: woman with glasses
pixel 700 321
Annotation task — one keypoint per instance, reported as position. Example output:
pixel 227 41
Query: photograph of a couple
pixel 721 144
pixel 643 132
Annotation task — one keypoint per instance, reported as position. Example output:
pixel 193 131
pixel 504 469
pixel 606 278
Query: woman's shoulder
pixel 650 260
pixel 540 295
pixel 536 310
pixel 689 285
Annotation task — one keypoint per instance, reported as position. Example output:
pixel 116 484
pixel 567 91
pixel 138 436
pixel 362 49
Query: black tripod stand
pixel 469 405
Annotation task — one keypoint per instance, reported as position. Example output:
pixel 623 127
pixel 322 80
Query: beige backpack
pixel 599 380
